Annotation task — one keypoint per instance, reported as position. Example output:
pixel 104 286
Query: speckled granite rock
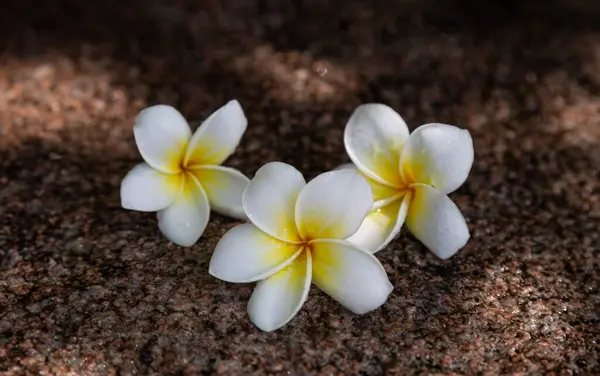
pixel 87 288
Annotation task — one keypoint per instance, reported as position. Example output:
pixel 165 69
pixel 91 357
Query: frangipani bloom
pixel 181 178
pixel 296 237
pixel 410 177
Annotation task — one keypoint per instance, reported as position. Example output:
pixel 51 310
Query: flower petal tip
pixel 235 107
pixel 234 103
pixel 264 323
pixel 147 190
pixel 236 111
pixel 213 271
pixel 183 243
pixel 265 326
pixel 126 204
pixel 157 107
pixel 380 296
pixel 447 254
pixel 219 273
pixel 160 112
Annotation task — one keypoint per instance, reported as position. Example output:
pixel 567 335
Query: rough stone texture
pixel 87 288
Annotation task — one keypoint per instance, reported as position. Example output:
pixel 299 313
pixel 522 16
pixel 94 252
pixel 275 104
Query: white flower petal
pixel 382 194
pixel 246 254
pixel 270 199
pixel 333 205
pixel 148 190
pixel 218 136
pixel 224 187
pixel 350 275
pixel 382 225
pixel 439 155
pixel 436 221
pixel 345 166
pixel 277 299
pixel 185 220
pixel 374 137
pixel 162 135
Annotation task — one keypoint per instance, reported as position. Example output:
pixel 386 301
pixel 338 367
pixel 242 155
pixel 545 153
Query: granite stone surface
pixel 87 288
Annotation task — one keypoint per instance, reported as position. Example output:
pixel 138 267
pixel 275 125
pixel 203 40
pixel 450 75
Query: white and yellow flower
pixel 181 178
pixel 410 177
pixel 296 237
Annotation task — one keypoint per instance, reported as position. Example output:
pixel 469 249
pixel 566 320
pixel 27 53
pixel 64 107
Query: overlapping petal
pixel 382 194
pixel 218 136
pixel 350 275
pixel 270 198
pixel 224 187
pixel 382 225
pixel 277 299
pixel 148 190
pixel 436 221
pixel 184 221
pixel 162 135
pixel 333 205
pixel 246 254
pixel 439 155
pixel 374 137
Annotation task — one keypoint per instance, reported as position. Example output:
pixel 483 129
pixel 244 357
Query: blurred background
pixel 89 288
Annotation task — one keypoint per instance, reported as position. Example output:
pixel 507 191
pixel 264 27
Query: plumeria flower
pixel 410 177
pixel 295 237
pixel 181 178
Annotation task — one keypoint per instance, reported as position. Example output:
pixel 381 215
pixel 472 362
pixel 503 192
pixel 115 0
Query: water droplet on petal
pixel 442 228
